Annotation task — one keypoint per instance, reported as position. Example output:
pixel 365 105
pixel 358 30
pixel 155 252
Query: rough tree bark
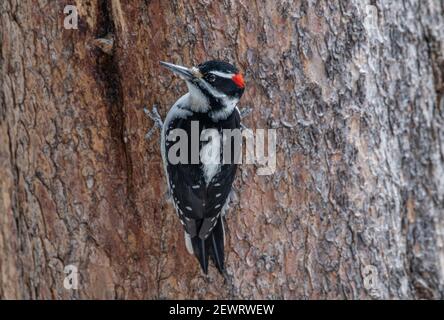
pixel 354 88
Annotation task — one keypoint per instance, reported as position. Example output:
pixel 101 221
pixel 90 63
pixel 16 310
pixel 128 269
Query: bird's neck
pixel 228 106
pixel 217 108
pixel 197 101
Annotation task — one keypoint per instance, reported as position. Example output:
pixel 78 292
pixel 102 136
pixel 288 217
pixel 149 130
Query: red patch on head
pixel 238 79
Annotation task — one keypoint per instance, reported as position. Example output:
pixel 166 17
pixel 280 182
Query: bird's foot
pixel 243 127
pixel 243 113
pixel 155 116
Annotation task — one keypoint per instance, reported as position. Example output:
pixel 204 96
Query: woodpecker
pixel 200 190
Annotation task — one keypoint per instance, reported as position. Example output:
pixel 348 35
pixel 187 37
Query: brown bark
pixel 355 91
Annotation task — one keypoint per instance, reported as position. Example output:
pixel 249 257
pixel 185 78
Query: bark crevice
pixel 109 74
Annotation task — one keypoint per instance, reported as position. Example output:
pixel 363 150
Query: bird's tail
pixel 212 246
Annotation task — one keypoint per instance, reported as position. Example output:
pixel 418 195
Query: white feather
pixel 197 101
pixel 210 153
pixel 223 74
pixel 188 243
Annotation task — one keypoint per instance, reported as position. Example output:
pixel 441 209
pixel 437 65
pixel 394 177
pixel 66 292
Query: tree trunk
pixel 355 90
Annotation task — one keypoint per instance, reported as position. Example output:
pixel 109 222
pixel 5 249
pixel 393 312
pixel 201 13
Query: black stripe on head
pixel 224 85
pixel 216 65
pixel 215 103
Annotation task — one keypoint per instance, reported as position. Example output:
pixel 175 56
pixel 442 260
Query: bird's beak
pixel 183 72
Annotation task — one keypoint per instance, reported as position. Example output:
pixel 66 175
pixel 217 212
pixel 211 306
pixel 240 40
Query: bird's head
pixel 213 85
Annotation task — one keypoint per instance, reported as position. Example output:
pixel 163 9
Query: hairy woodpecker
pixel 200 190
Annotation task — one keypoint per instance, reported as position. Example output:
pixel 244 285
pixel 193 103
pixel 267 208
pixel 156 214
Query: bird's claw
pixel 243 113
pixel 155 116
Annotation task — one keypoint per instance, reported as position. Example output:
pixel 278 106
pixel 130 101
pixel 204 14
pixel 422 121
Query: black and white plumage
pixel 200 190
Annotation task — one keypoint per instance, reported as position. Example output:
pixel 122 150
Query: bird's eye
pixel 211 77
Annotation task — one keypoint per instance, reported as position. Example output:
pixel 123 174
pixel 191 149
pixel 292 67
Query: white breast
pixel 210 153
